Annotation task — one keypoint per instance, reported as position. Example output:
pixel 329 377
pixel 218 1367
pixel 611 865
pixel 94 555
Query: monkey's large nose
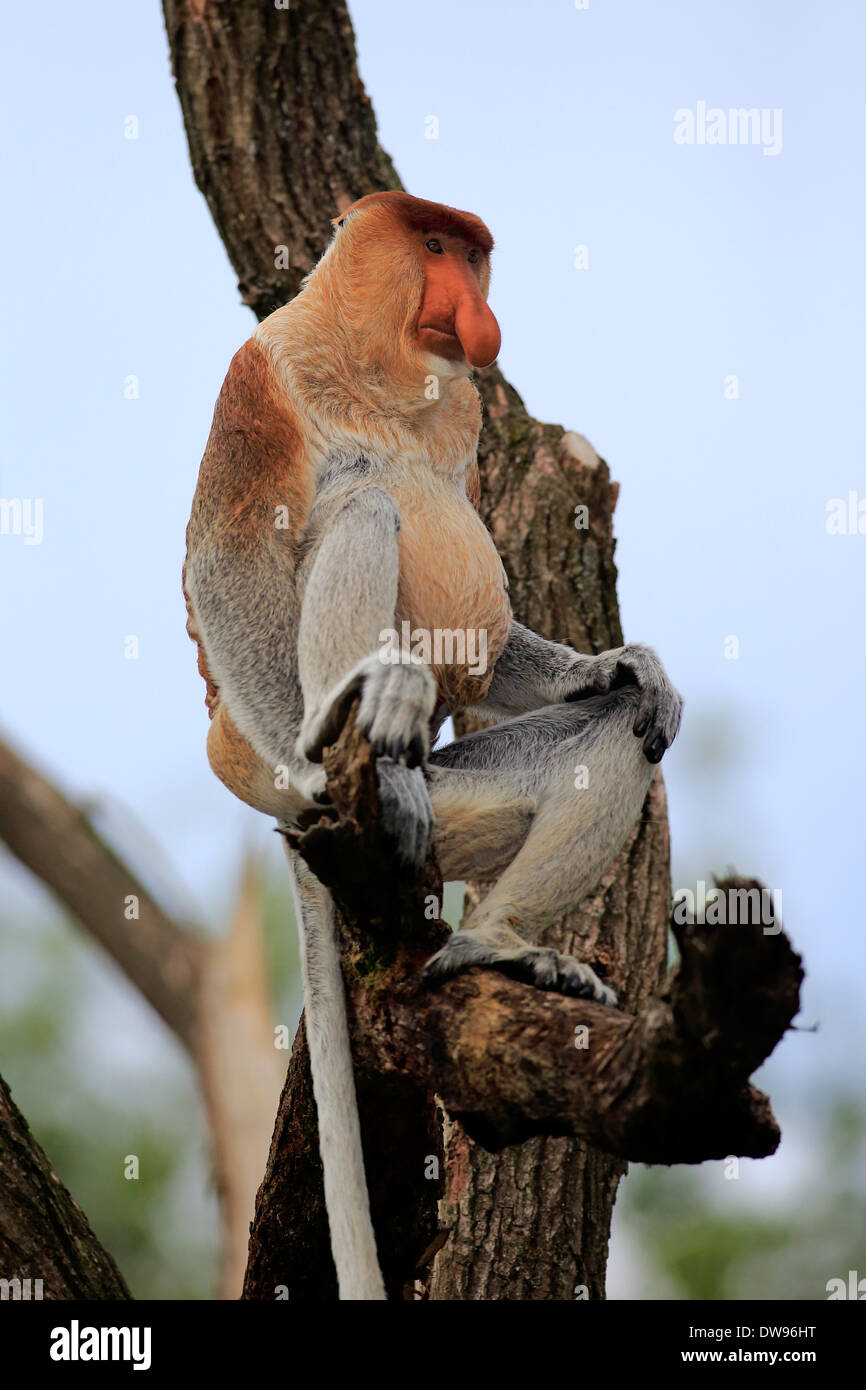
pixel 476 327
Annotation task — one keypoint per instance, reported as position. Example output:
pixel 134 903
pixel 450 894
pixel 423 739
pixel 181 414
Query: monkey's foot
pixel 500 948
pixel 407 814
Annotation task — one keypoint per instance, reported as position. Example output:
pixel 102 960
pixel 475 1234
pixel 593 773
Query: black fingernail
pixel 655 748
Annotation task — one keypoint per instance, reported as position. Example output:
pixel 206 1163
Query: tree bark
pixel 282 137
pixel 44 1234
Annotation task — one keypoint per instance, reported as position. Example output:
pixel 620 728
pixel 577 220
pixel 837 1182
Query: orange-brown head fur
pixel 380 316
pixel 452 251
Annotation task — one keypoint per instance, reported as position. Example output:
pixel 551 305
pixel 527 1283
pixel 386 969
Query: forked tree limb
pixel 668 1083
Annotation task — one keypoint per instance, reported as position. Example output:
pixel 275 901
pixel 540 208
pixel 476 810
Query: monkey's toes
pixel 407 815
pixel 540 966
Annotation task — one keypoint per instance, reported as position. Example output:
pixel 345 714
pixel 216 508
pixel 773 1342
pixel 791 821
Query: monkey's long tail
pixel 353 1243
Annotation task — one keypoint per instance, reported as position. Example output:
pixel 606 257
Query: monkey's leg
pixel 546 801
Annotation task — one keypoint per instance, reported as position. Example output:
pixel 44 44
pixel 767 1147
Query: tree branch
pixel 56 841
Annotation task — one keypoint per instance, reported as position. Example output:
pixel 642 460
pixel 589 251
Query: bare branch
pixel 55 839
pixel 212 994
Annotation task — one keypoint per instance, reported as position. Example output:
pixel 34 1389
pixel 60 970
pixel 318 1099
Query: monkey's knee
pixel 600 763
pixel 591 787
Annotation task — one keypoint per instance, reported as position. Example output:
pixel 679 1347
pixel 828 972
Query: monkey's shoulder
pixel 256 471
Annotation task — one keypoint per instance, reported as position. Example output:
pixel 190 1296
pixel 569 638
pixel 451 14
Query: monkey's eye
pixel 434 246
pixel 474 257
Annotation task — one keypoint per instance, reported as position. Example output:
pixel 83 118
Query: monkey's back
pixel 254 493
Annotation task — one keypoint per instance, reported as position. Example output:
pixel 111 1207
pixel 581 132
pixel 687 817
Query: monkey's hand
pixel 397 704
pixel 660 707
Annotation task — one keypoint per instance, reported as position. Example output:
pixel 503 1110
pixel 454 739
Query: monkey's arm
pixel 349 602
pixel 348 606
pixel 533 672
pixel 244 612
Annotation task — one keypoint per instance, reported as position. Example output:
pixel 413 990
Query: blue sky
pixel 556 125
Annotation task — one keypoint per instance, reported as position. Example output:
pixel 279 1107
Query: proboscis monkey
pixel 337 502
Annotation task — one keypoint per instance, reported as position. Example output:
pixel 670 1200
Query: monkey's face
pixel 411 277
pixel 453 320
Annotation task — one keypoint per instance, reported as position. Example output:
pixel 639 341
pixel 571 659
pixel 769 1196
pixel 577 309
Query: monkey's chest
pixel 452 605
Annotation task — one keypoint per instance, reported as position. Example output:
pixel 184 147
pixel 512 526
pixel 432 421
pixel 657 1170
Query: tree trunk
pixel 282 137
pixel 44 1234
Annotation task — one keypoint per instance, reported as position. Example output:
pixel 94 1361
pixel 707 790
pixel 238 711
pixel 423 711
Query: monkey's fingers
pixel 595 681
pixel 598 675
pixel 658 720
pixel 396 707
